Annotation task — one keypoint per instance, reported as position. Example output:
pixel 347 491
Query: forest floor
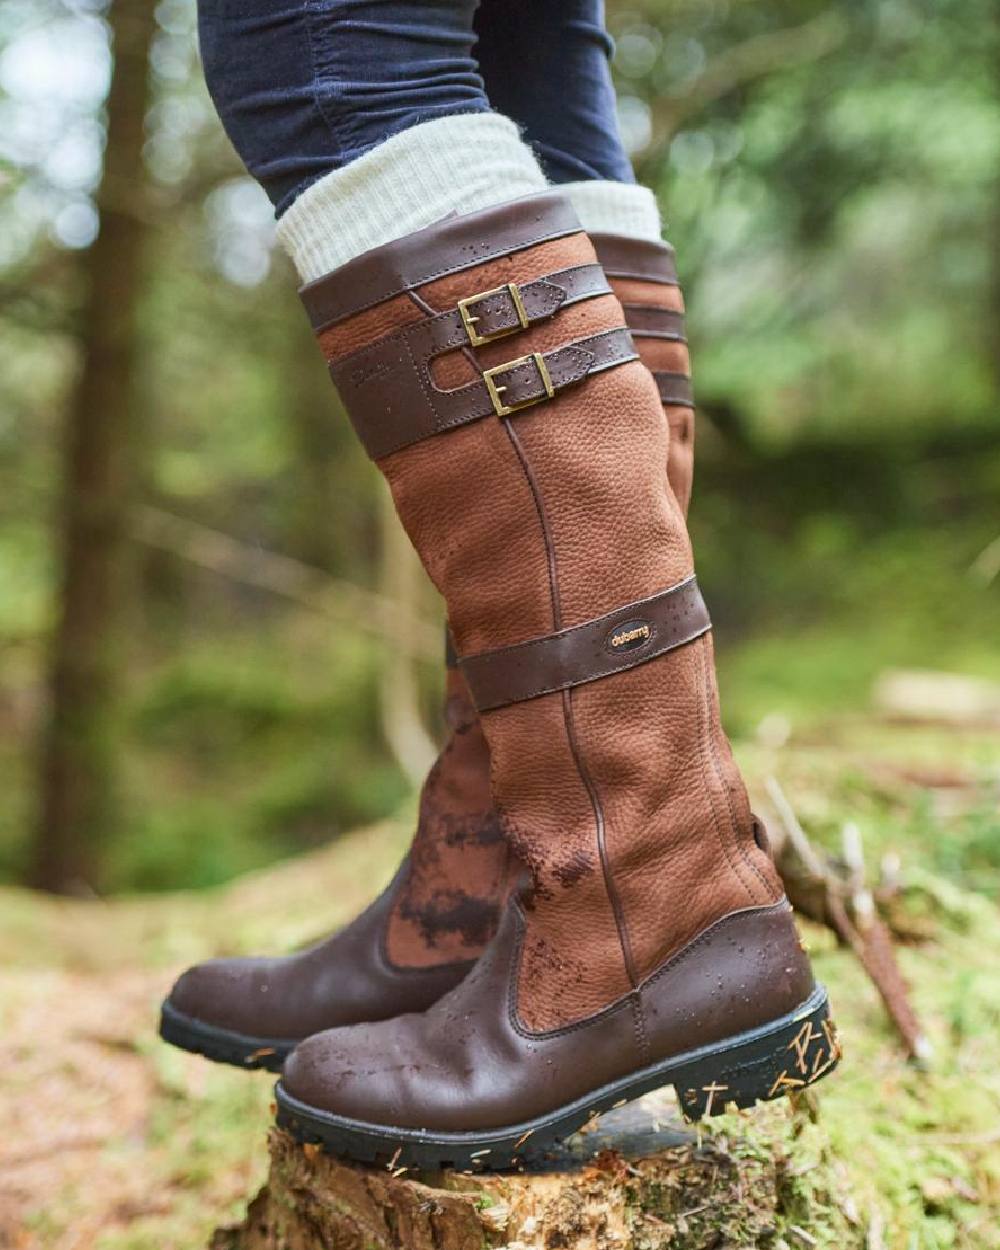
pixel 114 1141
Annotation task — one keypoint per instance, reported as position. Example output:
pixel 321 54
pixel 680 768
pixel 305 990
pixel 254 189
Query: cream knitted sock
pixel 451 165
pixel 616 208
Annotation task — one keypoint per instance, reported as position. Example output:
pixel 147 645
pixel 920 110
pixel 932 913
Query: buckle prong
pixel 469 319
pixel 495 391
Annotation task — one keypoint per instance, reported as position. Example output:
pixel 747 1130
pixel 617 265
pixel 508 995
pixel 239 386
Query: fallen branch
pixel 836 895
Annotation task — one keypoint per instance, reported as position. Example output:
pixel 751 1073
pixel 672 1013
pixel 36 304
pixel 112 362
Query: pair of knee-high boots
pixel 589 909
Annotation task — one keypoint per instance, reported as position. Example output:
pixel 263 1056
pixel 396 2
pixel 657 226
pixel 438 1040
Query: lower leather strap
pixel 530 379
pixel 624 257
pixel 674 388
pixel 609 644
pixel 392 401
pixel 650 322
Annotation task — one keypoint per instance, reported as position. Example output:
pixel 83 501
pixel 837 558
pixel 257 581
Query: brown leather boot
pixel 421 936
pixel 485 365
pixel 413 944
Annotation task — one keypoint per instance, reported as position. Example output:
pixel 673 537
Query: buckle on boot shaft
pixel 495 390
pixel 469 320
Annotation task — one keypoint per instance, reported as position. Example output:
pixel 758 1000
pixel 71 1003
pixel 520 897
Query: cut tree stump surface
pixel 637 1180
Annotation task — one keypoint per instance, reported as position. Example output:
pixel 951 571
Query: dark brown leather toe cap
pixel 236 994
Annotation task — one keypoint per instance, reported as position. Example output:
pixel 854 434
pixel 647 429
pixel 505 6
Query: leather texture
pixel 644 277
pixel 414 943
pixel 620 795
pixel 468 1064
pixel 631 635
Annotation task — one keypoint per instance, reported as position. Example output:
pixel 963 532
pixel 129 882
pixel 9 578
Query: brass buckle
pixel 469 321
pixel 504 410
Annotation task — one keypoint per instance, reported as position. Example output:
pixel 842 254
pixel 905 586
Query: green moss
pixel 916 1151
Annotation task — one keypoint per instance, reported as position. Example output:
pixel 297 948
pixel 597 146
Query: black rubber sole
pixel 222 1045
pixel 764 1063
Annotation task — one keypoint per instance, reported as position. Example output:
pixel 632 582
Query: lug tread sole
pixel 771 1061
pixel 239 1050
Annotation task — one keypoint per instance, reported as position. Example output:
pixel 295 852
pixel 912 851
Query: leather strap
pixel 674 388
pixel 650 322
pixel 507 309
pixel 619 640
pixel 623 257
pixel 448 246
pixel 392 401
pixel 494 314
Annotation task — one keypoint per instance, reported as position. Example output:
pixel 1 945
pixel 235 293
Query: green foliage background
pixel 830 175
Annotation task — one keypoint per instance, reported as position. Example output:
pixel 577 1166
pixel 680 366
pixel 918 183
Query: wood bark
pixel 78 782
pixel 659 1187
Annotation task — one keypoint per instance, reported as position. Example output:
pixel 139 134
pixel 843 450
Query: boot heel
pixel 767 1063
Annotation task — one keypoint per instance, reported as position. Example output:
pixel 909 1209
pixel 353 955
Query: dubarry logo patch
pixel 629 637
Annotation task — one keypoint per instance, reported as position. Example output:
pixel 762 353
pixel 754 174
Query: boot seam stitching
pixel 740 846
pixel 639 1027
pixel 711 756
pixel 706 756
pixel 551 564
pixel 614 898
pixel 782 905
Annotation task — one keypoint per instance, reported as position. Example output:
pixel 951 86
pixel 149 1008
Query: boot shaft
pixel 487 369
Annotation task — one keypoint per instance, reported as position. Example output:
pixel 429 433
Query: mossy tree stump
pixel 659 1188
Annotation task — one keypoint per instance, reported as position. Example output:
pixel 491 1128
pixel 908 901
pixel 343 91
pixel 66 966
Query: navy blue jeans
pixel 306 86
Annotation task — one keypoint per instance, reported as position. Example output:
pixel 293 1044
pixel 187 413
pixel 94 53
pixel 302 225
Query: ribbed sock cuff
pixel 450 165
pixel 616 208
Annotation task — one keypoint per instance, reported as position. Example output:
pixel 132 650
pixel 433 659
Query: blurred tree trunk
pixel 80 747
pixel 993 332
pixel 314 423
pixel 403 582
